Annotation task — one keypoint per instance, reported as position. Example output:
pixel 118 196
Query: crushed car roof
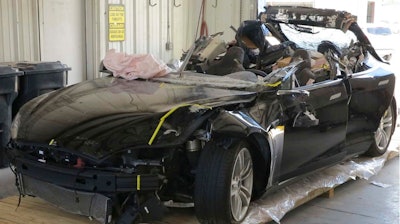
pixel 310 16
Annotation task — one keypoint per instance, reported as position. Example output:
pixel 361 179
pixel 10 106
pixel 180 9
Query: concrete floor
pixel 355 202
pixel 359 201
pixel 7 183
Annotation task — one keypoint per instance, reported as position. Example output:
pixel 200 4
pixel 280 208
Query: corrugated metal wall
pixel 150 25
pixel 19 39
pixel 146 29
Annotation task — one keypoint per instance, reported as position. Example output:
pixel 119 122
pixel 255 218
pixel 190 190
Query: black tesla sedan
pixel 298 90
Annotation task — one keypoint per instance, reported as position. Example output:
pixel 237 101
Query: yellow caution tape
pixel 138 182
pixel 162 119
pixel 274 84
pixel 280 127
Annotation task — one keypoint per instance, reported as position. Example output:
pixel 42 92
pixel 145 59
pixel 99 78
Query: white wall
pixel 44 30
pixel 19 39
pixel 62 35
pixel 148 29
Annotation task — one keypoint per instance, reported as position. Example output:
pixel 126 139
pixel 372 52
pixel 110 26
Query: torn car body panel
pixel 127 108
pixel 327 18
pixel 141 143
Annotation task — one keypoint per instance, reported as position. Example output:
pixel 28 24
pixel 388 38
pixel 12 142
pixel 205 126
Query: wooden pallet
pixel 37 211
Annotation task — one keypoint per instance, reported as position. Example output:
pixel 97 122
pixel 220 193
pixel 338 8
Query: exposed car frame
pixel 118 150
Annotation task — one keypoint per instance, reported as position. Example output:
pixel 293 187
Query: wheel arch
pixel 396 111
pixel 261 154
pixel 237 126
pixel 381 143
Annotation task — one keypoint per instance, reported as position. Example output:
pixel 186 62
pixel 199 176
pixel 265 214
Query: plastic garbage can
pixel 39 78
pixel 8 92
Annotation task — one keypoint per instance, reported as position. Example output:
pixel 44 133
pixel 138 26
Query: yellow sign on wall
pixel 116 22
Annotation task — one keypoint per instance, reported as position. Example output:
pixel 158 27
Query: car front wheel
pixel 224 183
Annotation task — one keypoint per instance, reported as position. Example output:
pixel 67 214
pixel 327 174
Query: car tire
pixel 383 134
pixel 224 182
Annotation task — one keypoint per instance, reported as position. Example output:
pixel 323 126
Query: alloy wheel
pixel 241 184
pixel 384 131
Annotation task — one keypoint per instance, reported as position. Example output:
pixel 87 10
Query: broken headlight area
pixel 131 185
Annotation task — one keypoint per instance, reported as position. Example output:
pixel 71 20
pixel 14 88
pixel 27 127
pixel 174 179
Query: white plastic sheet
pixel 276 205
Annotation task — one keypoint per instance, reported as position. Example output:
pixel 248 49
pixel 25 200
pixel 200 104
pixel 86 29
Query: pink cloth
pixel 130 67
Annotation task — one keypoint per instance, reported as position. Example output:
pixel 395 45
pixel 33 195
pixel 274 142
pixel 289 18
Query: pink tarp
pixel 134 66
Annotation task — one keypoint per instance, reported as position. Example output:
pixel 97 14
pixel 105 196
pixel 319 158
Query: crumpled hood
pixel 110 113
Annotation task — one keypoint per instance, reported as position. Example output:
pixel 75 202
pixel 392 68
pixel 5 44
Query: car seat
pixel 230 63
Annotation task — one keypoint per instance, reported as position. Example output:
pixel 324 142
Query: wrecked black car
pixel 299 90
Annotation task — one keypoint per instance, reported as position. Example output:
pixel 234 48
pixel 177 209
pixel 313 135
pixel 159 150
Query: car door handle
pixel 293 91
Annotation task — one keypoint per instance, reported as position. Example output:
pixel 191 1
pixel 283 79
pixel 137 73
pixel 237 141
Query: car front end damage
pixel 120 165
pixel 125 185
pixel 131 182
pixel 120 151
pixel 131 191
pixel 91 193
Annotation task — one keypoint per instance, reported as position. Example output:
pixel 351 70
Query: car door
pixel 372 91
pixel 316 118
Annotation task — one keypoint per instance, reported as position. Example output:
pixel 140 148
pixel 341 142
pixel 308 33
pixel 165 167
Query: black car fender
pixel 237 123
pixel 231 126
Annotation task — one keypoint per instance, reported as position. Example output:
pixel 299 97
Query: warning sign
pixel 116 35
pixel 116 22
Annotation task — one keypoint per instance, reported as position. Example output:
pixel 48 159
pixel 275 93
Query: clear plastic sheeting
pixel 237 80
pixel 276 205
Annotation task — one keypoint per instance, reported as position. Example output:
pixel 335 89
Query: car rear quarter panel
pixel 371 94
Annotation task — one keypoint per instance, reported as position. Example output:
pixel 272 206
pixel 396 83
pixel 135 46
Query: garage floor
pixel 355 202
pixel 360 201
pixel 374 201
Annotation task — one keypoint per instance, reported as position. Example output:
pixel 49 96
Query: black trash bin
pixel 38 78
pixel 8 92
